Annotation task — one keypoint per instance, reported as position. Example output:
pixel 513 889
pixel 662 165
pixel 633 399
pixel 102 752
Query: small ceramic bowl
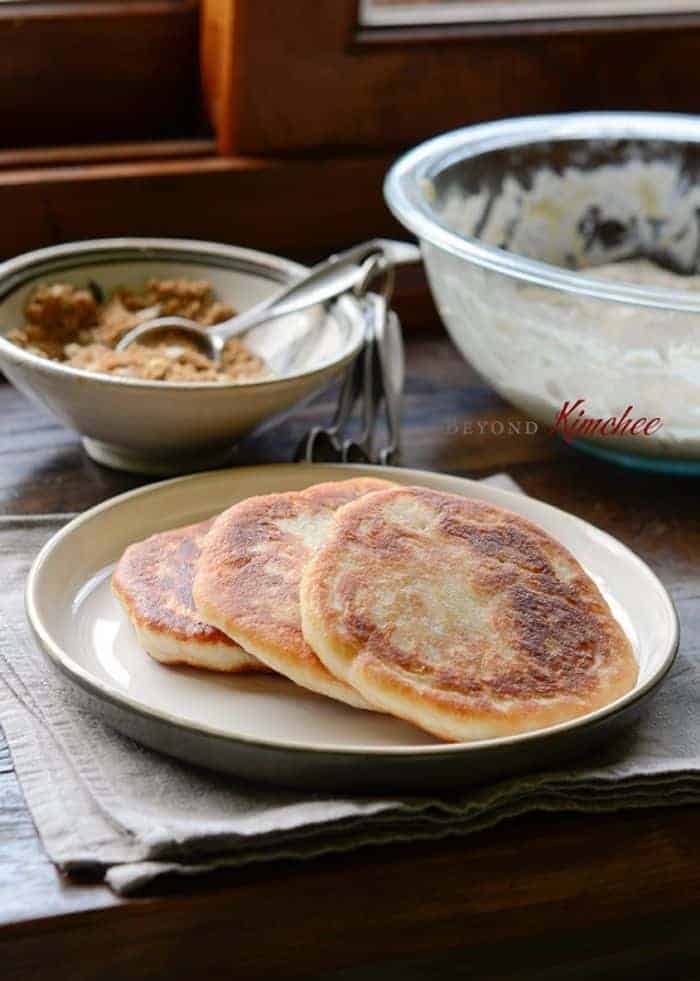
pixel 171 427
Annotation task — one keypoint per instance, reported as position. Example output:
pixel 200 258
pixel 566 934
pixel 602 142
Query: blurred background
pixel 272 124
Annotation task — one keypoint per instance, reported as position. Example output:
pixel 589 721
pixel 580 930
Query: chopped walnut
pixel 56 315
pixel 179 298
pixel 68 324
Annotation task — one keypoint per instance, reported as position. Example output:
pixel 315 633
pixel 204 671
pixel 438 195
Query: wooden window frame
pixel 305 77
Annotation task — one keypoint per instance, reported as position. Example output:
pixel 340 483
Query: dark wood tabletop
pixel 547 897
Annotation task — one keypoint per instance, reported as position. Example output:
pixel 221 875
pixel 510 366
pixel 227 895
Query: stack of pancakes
pixel 456 615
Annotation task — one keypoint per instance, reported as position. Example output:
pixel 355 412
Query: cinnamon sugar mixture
pixel 80 328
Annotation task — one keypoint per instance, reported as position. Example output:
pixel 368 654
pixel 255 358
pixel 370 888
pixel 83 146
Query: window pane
pixel 381 13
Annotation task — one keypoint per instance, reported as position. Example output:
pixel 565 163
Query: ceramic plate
pixel 266 728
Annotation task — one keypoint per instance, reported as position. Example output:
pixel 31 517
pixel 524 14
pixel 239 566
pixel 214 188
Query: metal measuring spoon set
pixel 374 379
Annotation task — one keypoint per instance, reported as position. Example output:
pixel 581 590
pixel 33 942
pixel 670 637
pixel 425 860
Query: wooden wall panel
pixel 297 208
pixel 301 79
pixel 99 71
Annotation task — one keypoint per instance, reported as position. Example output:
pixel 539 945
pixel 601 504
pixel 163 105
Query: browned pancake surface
pixel 153 580
pixel 251 565
pixel 461 617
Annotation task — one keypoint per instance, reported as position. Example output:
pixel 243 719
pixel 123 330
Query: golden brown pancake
pixel 248 576
pixel 461 617
pixel 153 581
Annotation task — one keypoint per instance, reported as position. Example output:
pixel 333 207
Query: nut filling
pixel 81 328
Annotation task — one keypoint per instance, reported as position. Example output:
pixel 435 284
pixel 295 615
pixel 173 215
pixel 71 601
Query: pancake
pixel 252 561
pixel 461 617
pixel 153 581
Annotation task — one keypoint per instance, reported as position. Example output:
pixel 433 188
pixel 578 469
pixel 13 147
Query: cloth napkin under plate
pixel 100 801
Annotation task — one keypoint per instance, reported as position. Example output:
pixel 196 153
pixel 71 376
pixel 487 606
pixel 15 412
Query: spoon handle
pixel 325 281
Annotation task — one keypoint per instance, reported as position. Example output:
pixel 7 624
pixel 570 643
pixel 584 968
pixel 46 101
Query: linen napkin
pixel 101 801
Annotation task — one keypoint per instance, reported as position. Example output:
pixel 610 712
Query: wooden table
pixel 540 897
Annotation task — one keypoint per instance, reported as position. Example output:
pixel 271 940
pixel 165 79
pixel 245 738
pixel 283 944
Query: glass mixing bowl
pixel 511 217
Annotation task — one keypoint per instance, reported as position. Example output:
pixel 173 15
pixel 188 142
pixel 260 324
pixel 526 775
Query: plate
pixel 266 728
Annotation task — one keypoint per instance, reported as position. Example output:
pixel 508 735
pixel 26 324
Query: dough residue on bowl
pixel 633 223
